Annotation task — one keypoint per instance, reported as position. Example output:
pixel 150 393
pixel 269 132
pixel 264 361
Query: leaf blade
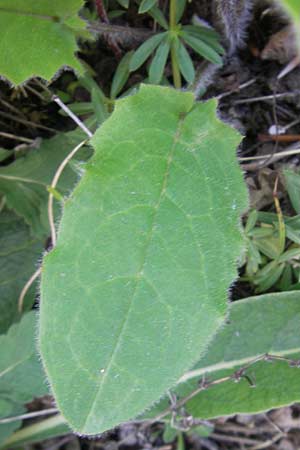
pixel 257 325
pixel 144 51
pixel 140 225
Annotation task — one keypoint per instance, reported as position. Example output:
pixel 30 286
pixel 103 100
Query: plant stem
pixel 174 60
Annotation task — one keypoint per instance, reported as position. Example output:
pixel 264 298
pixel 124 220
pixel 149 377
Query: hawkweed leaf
pixel 146 251
pixel 257 325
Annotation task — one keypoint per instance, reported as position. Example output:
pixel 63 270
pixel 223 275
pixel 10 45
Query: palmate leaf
pixel 19 256
pixel 38 38
pixel 258 325
pixel 137 285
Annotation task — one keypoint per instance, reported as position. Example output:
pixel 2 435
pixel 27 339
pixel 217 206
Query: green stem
pixel 174 59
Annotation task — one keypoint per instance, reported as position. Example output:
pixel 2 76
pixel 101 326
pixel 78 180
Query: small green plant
pixel 203 40
pixel 273 250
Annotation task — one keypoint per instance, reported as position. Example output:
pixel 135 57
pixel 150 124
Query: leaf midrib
pixel 140 272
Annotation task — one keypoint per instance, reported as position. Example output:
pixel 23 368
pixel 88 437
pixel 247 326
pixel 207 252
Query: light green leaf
pixel 185 62
pixel 157 66
pixel 146 5
pixel 24 182
pixel 145 50
pixel 292 180
pixel 121 75
pixel 264 324
pixel 158 16
pixel 21 375
pixel 38 38
pixel 207 35
pixel 19 256
pixel 146 250
pixel 202 48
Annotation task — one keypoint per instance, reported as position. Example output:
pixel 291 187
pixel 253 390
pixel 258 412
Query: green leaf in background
pixel 145 50
pixel 156 13
pixel 24 182
pixel 146 5
pixel 265 324
pixel 4 154
pixel 292 180
pixel 19 256
pixel 186 65
pixel 99 105
pixel 38 38
pixel 202 48
pixel 121 75
pixel 21 374
pixel 124 3
pixel 207 35
pixel 146 251
pixel 180 7
pixel 158 63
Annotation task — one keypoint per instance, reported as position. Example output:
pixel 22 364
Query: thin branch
pixel 30 415
pixel 26 287
pixel 72 115
pixel 237 89
pixel 267 97
pixel 16 138
pixel 128 37
pixel 268 443
pixel 27 122
pixel 235 376
pixel 53 186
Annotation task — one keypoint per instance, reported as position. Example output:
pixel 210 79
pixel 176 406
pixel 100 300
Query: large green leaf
pixel 137 284
pixel 24 182
pixel 265 324
pixel 21 375
pixel 19 255
pixel 37 38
